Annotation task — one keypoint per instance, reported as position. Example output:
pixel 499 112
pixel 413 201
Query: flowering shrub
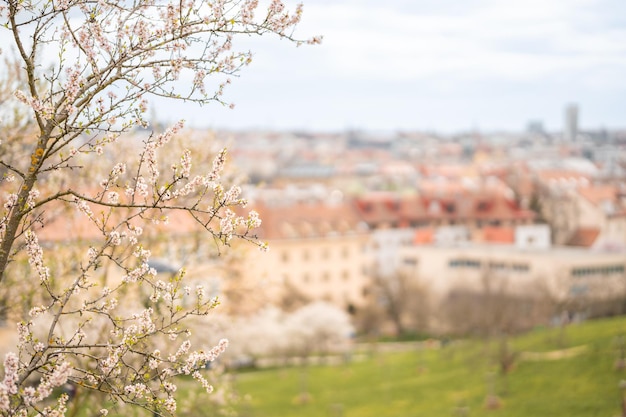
pixel 81 78
pixel 318 328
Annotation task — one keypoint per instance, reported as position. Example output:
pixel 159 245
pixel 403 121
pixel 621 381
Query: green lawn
pixel 443 382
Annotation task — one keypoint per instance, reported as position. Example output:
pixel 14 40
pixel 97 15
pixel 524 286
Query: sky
pixel 438 65
pixel 430 65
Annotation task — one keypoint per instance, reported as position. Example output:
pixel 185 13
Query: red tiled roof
pixel 486 206
pixel 306 220
pixel 596 194
pixel 387 208
pixel 584 237
pixel 423 236
pixel 561 174
pixel 499 234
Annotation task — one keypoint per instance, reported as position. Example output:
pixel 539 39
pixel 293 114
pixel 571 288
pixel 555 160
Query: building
pixel 556 277
pixel 452 212
pixel 317 252
pixel 571 123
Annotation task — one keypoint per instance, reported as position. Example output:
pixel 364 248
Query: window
pixel 410 261
pixel 464 263
pixel 578 290
pixel 393 205
pixel 517 267
pixel 497 266
pixel 603 270
pixel 434 207
pixel 483 206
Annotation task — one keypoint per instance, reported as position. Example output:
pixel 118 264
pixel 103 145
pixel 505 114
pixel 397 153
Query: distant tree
pixel 403 299
pixel 494 311
pixel 494 308
pixel 315 328
pixel 369 319
pixel 319 327
pixel 78 80
pixel 292 298
pixel 536 206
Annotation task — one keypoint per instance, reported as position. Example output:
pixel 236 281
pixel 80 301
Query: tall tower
pixel 571 123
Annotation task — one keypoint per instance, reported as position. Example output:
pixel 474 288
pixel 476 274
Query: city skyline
pixel 479 65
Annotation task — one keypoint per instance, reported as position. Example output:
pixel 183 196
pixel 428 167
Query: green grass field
pixel 454 380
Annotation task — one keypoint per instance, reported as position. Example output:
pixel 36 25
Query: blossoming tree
pixel 318 328
pixel 81 74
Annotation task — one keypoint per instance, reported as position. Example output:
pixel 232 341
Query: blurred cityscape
pixel 412 231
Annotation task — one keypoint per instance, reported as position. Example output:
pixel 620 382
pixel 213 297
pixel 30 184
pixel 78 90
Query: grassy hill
pixel 551 373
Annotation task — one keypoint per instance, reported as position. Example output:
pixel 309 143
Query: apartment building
pixel 559 273
pixel 582 212
pixel 317 251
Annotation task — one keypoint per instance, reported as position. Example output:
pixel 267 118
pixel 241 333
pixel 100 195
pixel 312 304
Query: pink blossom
pixel 205 384
pixel 11 201
pixel 113 197
pixel 83 206
pixel 37 311
pixel 185 163
pixel 170 405
pixel 11 364
pixel 35 256
pixel 115 238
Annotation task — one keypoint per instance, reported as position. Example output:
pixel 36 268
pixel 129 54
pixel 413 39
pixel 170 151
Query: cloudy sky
pixel 444 65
